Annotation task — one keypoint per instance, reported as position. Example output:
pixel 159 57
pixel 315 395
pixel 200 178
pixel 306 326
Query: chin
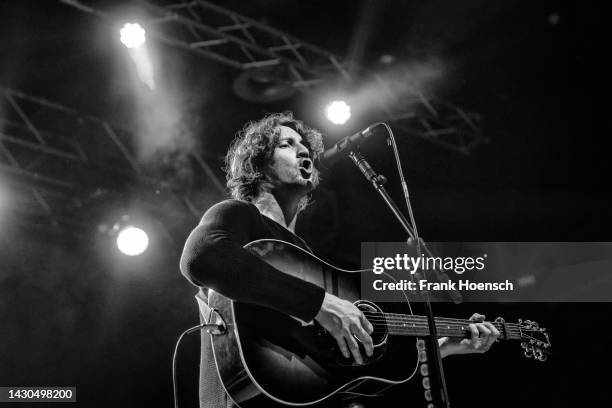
pixel 305 185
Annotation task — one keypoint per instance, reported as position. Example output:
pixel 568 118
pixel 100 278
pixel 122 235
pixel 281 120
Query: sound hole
pixel 377 318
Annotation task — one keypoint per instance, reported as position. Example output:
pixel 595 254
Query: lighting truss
pixel 228 37
pixel 61 160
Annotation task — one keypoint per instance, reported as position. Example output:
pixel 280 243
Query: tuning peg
pixel 540 355
pixel 528 350
pixel 422 356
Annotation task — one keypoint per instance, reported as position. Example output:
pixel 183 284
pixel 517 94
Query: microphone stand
pixel 439 392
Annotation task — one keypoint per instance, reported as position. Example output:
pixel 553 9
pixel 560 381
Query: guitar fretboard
pixel 414 325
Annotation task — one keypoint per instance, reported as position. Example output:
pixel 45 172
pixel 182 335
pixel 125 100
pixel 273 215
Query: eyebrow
pixel 301 140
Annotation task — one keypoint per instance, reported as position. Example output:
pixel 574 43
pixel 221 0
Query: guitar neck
pixel 413 325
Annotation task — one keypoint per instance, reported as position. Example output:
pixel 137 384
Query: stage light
pixel 338 112
pixel 132 35
pixel 132 241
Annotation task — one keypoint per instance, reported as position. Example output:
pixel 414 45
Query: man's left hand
pixel 483 335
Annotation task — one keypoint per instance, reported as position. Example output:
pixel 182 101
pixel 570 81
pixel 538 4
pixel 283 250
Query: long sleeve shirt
pixel 214 258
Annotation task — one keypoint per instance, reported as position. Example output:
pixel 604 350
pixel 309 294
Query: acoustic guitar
pixel 266 358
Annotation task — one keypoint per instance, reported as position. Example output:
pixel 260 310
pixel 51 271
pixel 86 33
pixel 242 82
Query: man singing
pixel 270 173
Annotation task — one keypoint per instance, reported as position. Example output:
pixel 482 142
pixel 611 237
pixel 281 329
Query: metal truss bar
pixel 67 188
pixel 209 43
pixel 41 148
pixel 273 58
pixel 200 26
pixel 192 208
pixel 35 177
pixel 286 47
pixel 340 68
pixel 38 213
pixel 55 109
pixel 466 118
pixel 308 65
pixel 41 201
pixel 108 130
pixel 195 47
pixel 240 24
pixel 265 28
pixel 293 47
pixel 454 129
pixel 8 155
pixel 113 136
pixel 25 119
pixel 211 175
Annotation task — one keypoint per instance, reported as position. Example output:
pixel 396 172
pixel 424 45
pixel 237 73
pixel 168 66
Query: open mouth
pixel 305 173
pixel 306 168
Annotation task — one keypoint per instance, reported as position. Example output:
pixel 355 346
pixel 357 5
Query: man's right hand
pixel 344 321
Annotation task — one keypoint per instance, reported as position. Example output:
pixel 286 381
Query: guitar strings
pixel 425 329
pixel 448 327
pixel 447 321
pixel 445 328
pixel 443 333
pixel 406 316
pixel 419 319
pixel 413 323
pixel 442 323
pixel 454 329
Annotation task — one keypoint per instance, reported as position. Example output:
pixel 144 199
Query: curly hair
pixel 252 150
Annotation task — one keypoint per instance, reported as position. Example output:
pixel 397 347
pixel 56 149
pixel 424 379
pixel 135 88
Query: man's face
pixel 291 166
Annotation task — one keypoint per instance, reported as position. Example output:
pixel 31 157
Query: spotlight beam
pixel 249 44
pixel 71 168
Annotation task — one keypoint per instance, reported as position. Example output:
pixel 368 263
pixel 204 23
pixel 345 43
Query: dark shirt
pixel 214 258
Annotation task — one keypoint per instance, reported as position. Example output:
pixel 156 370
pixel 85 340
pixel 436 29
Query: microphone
pixel 344 146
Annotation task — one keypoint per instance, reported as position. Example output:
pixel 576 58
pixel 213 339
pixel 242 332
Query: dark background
pixel 74 312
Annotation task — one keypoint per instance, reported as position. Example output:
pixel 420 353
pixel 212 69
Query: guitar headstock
pixel 534 340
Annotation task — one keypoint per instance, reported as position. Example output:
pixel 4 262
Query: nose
pixel 303 152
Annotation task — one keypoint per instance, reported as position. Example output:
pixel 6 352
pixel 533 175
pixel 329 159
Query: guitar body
pixel 266 358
